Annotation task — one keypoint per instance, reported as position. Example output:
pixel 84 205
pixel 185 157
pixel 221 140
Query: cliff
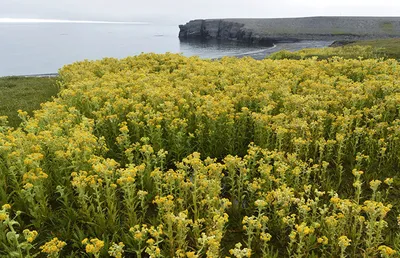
pixel 269 31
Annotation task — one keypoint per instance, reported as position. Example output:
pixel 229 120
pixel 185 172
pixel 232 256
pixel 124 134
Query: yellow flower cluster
pixel 53 247
pixel 6 206
pixel 33 175
pixel 82 179
pixel 128 175
pixel 238 252
pixel 386 251
pixel 373 208
pixel 30 236
pixel 323 240
pixel 116 250
pixel 168 146
pixel 344 241
pixel 93 246
pixel 303 229
pixel 4 215
pixel 139 232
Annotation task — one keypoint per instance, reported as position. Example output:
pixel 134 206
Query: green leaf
pixel 12 237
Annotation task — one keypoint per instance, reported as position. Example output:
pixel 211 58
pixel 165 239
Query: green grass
pixel 346 52
pixel 387 27
pixel 366 49
pixel 389 47
pixel 25 93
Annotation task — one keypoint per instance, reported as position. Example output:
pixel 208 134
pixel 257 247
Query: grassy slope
pixel 24 93
pixel 382 48
pixel 391 47
pixel 332 27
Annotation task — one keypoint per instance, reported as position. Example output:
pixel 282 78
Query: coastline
pixel 44 75
pixel 295 46
pixel 256 54
pixel 270 31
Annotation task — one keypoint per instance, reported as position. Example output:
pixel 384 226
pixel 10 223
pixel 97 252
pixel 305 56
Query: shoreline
pixel 40 75
pixel 259 54
pixel 43 75
pixel 269 31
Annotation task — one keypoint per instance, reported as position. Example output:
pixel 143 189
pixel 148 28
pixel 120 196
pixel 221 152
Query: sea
pixel 37 46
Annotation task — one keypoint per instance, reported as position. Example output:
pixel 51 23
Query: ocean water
pixel 43 46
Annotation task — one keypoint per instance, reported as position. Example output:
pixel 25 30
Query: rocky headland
pixel 270 31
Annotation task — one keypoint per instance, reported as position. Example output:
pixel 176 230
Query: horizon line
pixel 31 20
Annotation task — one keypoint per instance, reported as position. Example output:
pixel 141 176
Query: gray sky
pixel 181 11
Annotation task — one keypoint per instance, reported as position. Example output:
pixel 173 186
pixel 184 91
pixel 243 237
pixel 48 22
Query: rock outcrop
pixel 221 30
pixel 341 43
pixel 269 31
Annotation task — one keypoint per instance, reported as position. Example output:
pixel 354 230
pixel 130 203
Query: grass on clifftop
pixel 24 93
pixel 382 48
pixel 389 47
pixel 346 52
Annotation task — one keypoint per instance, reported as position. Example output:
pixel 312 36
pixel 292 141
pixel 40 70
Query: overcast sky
pixel 184 10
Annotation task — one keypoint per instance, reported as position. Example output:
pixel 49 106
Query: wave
pixel 27 20
pixel 259 50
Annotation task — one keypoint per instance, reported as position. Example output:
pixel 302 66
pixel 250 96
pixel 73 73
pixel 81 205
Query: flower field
pixel 169 156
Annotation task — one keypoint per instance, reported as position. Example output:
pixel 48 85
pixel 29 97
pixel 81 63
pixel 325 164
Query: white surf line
pixel 258 51
pixel 26 20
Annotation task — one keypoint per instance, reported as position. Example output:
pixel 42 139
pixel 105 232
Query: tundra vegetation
pixel 25 93
pixel 169 156
pixel 364 49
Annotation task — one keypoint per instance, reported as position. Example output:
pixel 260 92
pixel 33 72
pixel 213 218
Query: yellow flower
pixel 344 242
pixel 6 206
pixel 191 255
pixel 386 251
pixel 53 247
pixel 30 236
pixel 331 221
pixel 323 240
pixel 116 250
pixel 374 184
pixel 261 204
pixel 95 245
pixel 266 237
pixel 357 173
pixel 138 235
pixel 388 181
pixel 28 186
pixel 292 235
pixel 303 229
pixel 150 241
pixel 335 200
pixel 3 216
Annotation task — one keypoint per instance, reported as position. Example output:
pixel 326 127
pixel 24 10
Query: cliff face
pixel 269 31
pixel 222 30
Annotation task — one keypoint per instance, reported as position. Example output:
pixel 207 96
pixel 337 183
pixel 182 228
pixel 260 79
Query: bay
pixel 32 47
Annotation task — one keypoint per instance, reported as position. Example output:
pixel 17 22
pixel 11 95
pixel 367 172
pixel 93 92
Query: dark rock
pixel 341 43
pixel 229 30
pixel 193 29
pixel 211 29
pixel 225 30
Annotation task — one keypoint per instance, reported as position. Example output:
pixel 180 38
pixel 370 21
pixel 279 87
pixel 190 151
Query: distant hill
pixel 269 31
